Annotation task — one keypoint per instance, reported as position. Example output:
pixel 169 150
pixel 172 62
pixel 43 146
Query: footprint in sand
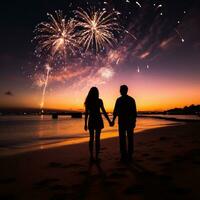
pixel 139 160
pixel 111 183
pixel 63 166
pixel 178 159
pixel 45 183
pixel 62 196
pixel 74 187
pixel 141 143
pixel 196 162
pixel 7 180
pixel 164 138
pixel 159 151
pixel 155 158
pixel 116 175
pixel 165 178
pixel 146 154
pixel 73 165
pixel 180 191
pixel 165 164
pixel 83 172
pixel 195 152
pixel 58 187
pixel 134 189
pixel 121 169
pixel 55 165
pixel 176 145
pixel 8 197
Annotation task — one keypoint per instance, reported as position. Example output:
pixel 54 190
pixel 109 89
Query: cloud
pixel 8 93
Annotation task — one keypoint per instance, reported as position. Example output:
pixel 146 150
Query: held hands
pixel 111 123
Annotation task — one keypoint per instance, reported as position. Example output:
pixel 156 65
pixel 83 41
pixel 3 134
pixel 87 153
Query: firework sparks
pixel 180 36
pixel 138 69
pixel 117 62
pixel 57 35
pixel 133 36
pixel 97 28
pixel 138 4
pixel 106 72
pixel 159 6
pixel 144 55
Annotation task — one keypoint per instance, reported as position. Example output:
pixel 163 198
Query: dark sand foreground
pixel 166 166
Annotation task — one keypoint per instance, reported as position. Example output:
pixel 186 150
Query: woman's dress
pixel 95 119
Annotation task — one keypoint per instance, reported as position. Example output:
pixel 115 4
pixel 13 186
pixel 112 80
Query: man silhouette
pixel 125 109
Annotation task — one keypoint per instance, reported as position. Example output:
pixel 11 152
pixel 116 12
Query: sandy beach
pixel 166 166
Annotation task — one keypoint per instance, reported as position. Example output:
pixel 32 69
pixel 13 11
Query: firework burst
pixel 97 28
pixel 56 36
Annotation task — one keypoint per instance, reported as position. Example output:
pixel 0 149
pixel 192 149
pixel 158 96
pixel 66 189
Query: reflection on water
pixel 25 133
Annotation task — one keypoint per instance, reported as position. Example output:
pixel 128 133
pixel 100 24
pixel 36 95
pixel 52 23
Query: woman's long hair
pixel 92 98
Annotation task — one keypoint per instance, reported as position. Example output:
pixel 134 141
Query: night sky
pixel 160 64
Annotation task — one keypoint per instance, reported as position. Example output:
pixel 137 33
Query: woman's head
pixel 92 97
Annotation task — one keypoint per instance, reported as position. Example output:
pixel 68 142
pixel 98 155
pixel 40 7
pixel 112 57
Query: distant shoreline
pixel 140 115
pixel 171 118
pixel 187 110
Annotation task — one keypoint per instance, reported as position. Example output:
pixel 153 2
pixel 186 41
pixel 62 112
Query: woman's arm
pixel 86 118
pixel 104 112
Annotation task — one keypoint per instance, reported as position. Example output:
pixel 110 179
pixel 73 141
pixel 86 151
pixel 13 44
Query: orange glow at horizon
pixel 148 98
pixel 151 93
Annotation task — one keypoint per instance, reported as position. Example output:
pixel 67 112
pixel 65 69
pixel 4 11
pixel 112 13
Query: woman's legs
pixel 91 142
pixel 97 140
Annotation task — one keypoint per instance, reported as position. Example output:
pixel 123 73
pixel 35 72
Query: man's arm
pixel 134 111
pixel 115 112
pixel 86 118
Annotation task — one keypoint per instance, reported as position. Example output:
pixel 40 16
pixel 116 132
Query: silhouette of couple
pixel 125 110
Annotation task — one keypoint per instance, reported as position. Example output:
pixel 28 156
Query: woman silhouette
pixel 93 105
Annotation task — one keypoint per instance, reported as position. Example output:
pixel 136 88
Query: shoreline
pixel 69 141
pixel 174 119
pixel 166 166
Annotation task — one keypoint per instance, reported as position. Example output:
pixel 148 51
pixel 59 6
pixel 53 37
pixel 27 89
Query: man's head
pixel 123 90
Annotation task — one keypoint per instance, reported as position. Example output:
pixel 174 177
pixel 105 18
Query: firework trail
pixel 133 36
pixel 97 28
pixel 56 37
pixel 48 69
pixel 138 4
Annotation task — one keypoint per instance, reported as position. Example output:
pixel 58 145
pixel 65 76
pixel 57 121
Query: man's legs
pixel 130 135
pixel 122 142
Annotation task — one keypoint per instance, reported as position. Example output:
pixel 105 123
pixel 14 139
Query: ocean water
pixel 25 133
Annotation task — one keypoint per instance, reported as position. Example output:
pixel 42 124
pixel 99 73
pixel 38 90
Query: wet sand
pixel 166 166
